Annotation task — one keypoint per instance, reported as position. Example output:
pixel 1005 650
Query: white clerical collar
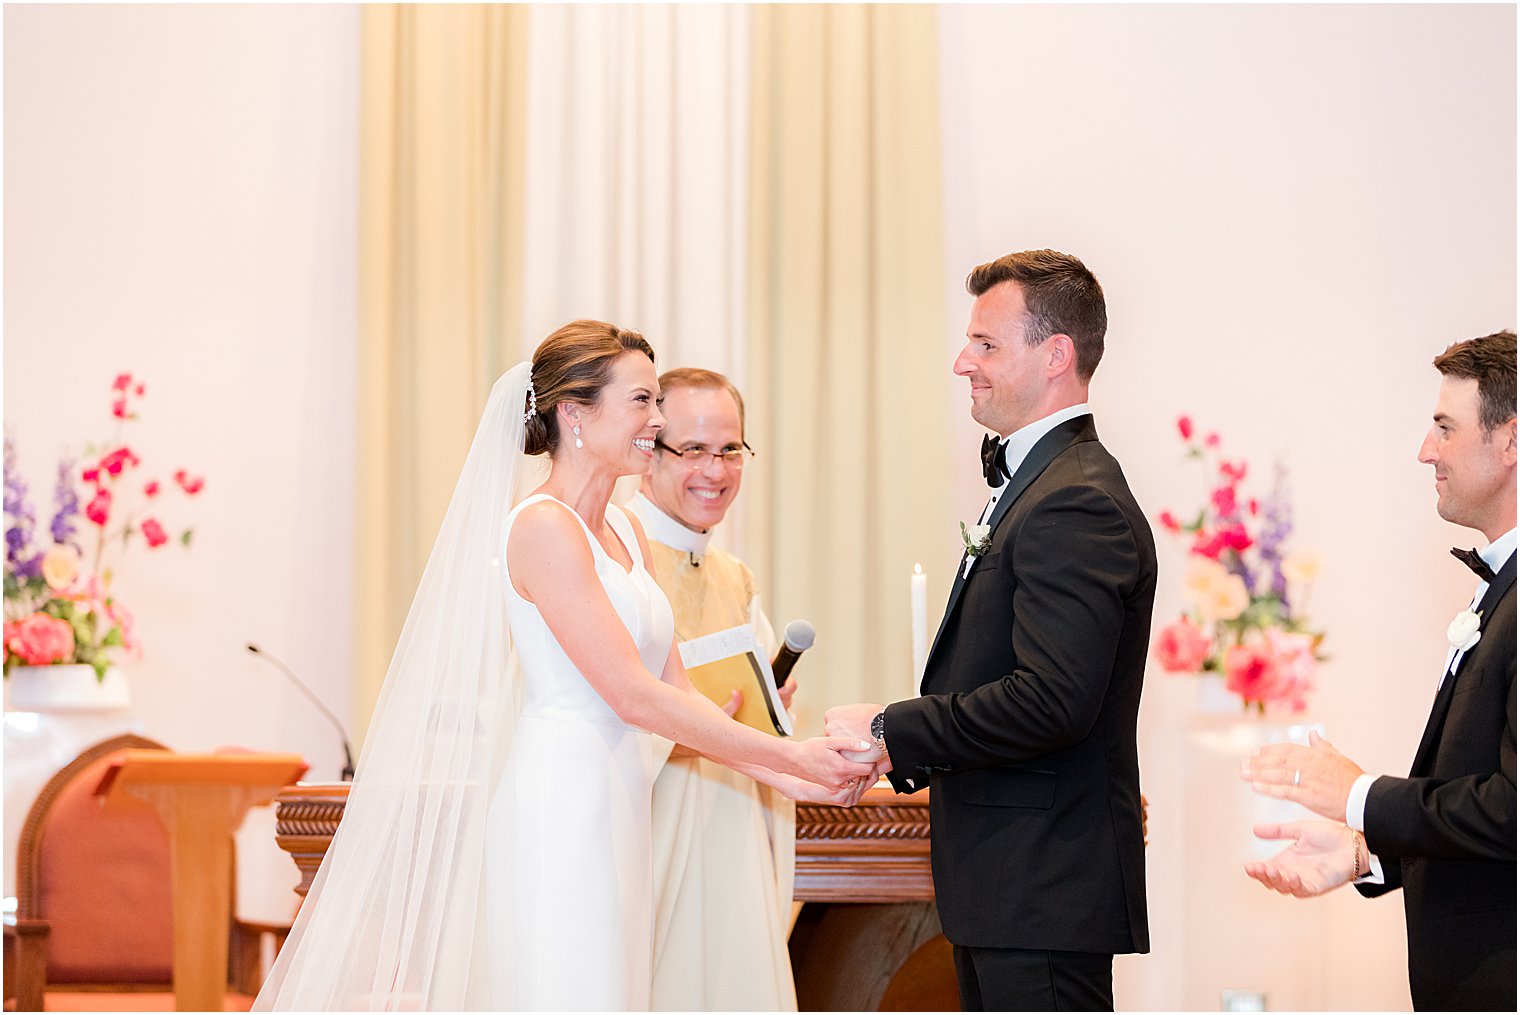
pixel 1497 552
pixel 662 528
pixel 1018 444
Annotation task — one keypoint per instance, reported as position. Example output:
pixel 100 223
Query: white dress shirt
pixel 1016 448
pixel 1494 556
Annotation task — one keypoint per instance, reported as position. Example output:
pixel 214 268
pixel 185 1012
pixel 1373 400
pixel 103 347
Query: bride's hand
pixel 821 760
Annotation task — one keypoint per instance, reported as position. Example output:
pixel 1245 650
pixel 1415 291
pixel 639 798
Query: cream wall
pixel 180 195
pixel 1291 210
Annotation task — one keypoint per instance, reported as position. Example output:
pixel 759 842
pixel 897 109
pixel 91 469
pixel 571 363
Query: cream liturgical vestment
pixel 724 845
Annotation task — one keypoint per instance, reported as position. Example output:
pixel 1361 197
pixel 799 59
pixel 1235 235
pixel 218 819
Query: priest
pixel 723 844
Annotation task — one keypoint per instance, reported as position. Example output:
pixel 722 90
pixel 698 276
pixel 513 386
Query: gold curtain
pixel 442 116
pixel 847 360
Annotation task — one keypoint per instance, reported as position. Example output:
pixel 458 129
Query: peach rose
pixel 60 566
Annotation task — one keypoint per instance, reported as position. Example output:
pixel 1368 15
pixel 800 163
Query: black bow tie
pixel 994 460
pixel 1478 564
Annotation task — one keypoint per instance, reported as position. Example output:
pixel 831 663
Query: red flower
pixel 1234 473
pixel 1251 672
pixel 119 408
pixel 1224 501
pixel 151 489
pixel 99 508
pixel 119 459
pixel 1185 427
pixel 91 476
pixel 1235 537
pixel 154 533
pixel 1169 522
pixel 1211 441
pixel 122 382
pixel 192 485
pixel 1207 544
pixel 141 389
pixel 1254 506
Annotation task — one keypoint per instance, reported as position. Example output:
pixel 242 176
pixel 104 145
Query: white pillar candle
pixel 918 599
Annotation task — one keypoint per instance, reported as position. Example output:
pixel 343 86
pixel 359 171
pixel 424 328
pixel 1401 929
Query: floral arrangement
pixel 1246 592
pixel 58 610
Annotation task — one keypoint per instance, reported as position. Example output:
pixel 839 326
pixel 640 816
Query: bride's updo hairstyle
pixel 573 364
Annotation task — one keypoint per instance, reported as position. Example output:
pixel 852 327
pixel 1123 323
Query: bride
pixel 494 851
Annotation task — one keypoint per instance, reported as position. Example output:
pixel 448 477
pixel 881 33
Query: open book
pixel 727 660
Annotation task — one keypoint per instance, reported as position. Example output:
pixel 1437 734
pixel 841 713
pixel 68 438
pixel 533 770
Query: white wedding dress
pixel 568 890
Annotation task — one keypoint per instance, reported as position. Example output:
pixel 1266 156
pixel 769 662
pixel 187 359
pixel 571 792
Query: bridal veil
pixel 392 921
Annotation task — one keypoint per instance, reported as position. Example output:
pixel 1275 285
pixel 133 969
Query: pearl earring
pixel 576 429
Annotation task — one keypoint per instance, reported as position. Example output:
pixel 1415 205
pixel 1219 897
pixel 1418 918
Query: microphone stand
pixel 348 754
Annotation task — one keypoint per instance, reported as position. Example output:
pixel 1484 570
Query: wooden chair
pixel 94 927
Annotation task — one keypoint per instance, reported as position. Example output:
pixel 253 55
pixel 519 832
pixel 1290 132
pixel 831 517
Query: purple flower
pixel 1276 527
pixel 66 504
pixel 19 520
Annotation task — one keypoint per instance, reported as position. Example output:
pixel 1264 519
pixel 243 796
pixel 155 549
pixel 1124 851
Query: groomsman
pixel 1026 725
pixel 1446 833
pixel 724 845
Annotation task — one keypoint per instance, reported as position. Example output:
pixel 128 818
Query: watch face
pixel 879 725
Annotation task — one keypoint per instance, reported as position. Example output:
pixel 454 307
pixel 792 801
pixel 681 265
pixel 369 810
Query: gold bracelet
pixel 1357 845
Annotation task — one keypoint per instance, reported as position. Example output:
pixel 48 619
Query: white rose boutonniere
pixel 1463 631
pixel 978 539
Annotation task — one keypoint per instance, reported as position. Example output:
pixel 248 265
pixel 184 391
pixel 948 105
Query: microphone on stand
pixel 348 754
pixel 797 640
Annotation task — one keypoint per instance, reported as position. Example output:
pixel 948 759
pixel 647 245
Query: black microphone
pixel 348 754
pixel 797 640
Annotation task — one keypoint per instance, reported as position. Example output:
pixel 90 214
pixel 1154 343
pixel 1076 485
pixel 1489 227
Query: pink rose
pixel 1185 427
pixel 1182 647
pixel 153 532
pixel 1233 473
pixel 151 489
pixel 1293 654
pixel 122 382
pixel 1211 441
pixel 40 640
pixel 1169 521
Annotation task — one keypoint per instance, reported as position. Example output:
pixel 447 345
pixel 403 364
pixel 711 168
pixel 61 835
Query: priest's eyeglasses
pixel 697 458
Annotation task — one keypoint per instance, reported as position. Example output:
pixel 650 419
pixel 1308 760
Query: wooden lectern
pixel 201 799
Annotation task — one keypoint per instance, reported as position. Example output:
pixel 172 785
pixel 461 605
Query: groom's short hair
pixel 1061 297
pixel 1490 361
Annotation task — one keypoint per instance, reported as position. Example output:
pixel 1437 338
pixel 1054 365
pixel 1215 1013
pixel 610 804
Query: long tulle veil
pixel 392 921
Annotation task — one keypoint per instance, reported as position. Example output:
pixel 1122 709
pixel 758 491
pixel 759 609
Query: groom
pixel 1026 726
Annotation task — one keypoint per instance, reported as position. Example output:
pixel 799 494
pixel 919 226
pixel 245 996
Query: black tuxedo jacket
pixel 1026 726
pixel 1446 834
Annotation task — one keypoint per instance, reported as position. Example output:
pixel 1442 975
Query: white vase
pixel 1213 698
pixel 72 688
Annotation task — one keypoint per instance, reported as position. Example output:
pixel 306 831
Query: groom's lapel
pixel 1046 450
pixel 1433 726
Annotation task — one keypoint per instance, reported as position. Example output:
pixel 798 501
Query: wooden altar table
pixel 868 939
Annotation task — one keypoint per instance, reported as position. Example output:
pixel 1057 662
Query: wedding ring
pixel 1296 774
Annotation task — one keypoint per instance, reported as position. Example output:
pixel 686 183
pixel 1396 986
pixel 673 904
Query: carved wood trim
pixel 877 851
